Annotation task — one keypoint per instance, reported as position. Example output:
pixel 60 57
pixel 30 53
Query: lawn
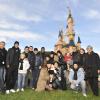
pixel 54 95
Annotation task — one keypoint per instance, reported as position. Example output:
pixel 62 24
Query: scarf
pixel 75 74
pixel 21 65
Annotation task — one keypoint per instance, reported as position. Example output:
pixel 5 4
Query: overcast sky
pixel 37 22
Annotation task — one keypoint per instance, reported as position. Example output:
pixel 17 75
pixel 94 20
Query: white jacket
pixel 26 66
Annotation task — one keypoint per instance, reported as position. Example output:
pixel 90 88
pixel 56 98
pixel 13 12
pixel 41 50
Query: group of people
pixel 41 70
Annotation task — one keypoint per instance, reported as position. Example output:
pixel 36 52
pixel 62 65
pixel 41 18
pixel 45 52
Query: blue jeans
pixel 1 77
pixel 82 84
pixel 28 80
pixel 35 75
pixel 21 80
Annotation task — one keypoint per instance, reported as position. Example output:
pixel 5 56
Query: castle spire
pixel 69 11
pixel 70 15
pixel 60 34
pixel 79 43
pixel 70 29
pixel 79 40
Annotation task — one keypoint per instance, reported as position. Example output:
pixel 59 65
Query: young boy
pixel 22 71
pixel 52 71
pixel 76 78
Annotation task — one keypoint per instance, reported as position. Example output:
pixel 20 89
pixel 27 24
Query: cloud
pixel 75 1
pixel 72 3
pixel 4 8
pixel 21 35
pixel 25 17
pixel 3 39
pixel 18 13
pixel 92 14
pixel 34 10
pixel 96 30
pixel 9 25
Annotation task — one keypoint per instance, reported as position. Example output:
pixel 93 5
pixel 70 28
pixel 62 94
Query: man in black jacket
pixel 92 69
pixel 75 56
pixel 12 62
pixel 36 68
pixel 43 54
pixel 3 54
pixel 26 51
pixel 31 58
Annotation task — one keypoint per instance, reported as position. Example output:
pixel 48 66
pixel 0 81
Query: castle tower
pixel 63 45
pixel 78 43
pixel 59 44
pixel 70 31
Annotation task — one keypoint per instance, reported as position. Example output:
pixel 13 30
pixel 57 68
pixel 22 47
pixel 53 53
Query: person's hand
pixel 8 66
pixel 76 85
pixel 50 85
pixel 55 71
pixel 30 70
pixel 73 81
pixel 3 62
pixel 39 67
pixel 98 71
pixel 59 78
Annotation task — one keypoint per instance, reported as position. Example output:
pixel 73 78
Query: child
pixel 51 71
pixel 50 67
pixel 68 60
pixel 54 76
pixel 22 71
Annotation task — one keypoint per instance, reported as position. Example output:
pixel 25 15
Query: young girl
pixel 68 59
pixel 22 71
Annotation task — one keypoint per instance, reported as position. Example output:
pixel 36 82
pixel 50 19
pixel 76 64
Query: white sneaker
pixel 12 90
pixel 22 89
pixel 17 90
pixel 7 92
pixel 84 95
pixel 33 88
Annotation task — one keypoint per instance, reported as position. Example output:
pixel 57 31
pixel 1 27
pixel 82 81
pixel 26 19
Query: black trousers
pixel 1 78
pixel 93 82
pixel 11 77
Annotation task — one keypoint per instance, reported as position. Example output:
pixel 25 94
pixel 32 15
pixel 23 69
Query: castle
pixel 69 34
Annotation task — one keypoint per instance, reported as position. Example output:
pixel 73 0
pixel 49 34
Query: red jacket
pixel 67 58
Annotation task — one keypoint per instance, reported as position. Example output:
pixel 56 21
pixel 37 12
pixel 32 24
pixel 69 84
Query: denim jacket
pixel 80 75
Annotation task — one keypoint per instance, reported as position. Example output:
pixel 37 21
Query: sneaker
pixel 22 89
pixel 7 92
pixel 84 95
pixel 17 90
pixel 12 90
pixel 33 88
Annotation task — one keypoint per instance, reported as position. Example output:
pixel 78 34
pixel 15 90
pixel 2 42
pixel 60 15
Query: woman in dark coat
pixel 63 66
pixel 81 57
